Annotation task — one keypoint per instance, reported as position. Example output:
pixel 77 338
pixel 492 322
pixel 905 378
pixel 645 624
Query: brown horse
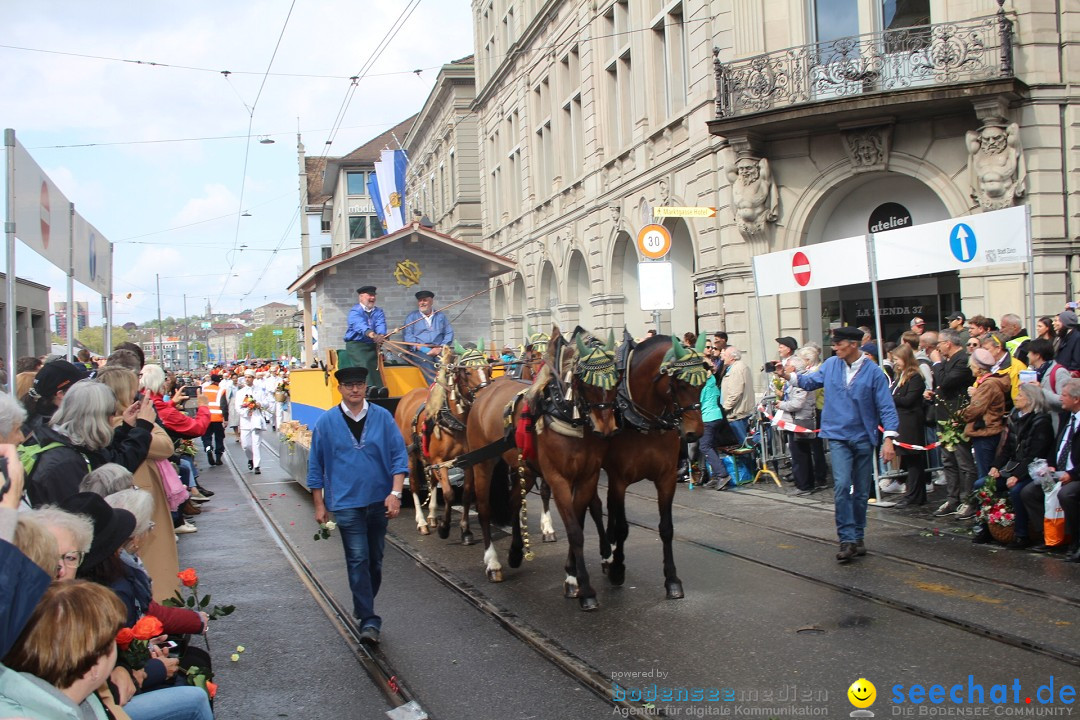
pixel 571 406
pixel 432 422
pixel 659 405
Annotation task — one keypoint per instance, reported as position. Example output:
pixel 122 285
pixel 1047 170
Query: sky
pixel 165 158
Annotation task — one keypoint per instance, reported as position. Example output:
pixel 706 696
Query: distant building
pixel 31 317
pixel 82 317
pixel 271 314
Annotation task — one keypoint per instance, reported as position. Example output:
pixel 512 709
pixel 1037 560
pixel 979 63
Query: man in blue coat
pixel 356 470
pixel 857 401
pixel 426 332
pixel 365 335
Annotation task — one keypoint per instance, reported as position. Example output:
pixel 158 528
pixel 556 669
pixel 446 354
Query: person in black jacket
pixel 1068 349
pixel 1031 436
pixel 44 397
pixel 907 394
pixel 952 378
pixel 83 429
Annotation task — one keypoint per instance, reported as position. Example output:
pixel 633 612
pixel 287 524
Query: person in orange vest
pixel 219 414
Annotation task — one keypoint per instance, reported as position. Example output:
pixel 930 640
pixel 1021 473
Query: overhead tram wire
pixel 273 255
pixel 355 79
pixel 231 256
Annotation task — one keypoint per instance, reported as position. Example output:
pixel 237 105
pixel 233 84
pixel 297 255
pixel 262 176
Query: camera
pixel 4 475
pixel 770 367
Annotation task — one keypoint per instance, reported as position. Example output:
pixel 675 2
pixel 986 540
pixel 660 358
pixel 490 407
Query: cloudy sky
pixel 154 155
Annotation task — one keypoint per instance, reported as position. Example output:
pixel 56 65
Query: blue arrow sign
pixel 962 242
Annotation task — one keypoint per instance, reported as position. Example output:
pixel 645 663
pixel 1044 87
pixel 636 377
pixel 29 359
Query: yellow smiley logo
pixel 862 693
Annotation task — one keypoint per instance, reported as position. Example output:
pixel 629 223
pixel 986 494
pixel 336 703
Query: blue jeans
pixel 1019 511
pixel 741 429
pixel 182 702
pixel 708 449
pixel 363 535
pixel 851 468
pixel 985 449
pixel 188 474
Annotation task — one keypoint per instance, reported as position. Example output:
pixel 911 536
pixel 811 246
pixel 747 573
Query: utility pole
pixel 160 352
pixel 187 346
pixel 305 258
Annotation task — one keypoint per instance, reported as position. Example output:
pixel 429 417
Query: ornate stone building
pixel 800 121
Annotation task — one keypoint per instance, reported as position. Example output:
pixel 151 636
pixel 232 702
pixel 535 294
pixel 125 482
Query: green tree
pixel 94 338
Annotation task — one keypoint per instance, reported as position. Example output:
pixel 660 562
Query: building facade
pixel 272 314
pixel 32 335
pixel 82 317
pixel 798 121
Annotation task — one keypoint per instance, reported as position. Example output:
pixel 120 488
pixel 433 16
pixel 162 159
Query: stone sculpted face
pixel 867 152
pixel 993 140
pixel 748 171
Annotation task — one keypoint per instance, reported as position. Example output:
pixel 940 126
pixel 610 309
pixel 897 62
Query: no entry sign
pixel 800 269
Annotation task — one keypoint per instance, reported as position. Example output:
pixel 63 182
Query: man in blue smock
pixel 365 334
pixel 356 470
pixel 426 332
pixel 857 401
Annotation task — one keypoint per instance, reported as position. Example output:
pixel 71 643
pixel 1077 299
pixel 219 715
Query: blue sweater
pixel 440 332
pixel 710 401
pixel 852 412
pixel 351 475
pixel 361 322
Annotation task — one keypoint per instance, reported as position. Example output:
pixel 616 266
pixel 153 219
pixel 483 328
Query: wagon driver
pixel 365 334
pixel 427 331
pixel 356 470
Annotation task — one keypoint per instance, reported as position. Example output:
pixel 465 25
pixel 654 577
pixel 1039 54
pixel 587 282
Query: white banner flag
pixel 93 267
pixel 390 173
pixel 42 213
pixel 822 265
pixel 989 238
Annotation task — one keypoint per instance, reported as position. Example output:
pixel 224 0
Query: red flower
pixel 124 638
pixel 211 688
pixel 188 577
pixel 148 627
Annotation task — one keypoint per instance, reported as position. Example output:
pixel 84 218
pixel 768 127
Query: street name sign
pixel 695 212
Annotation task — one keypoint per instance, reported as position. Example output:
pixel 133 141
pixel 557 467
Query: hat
pixel 351 375
pixel 956 316
pixel 369 289
pixel 917 321
pixel 249 373
pixel 59 375
pixel 870 349
pixel 112 526
pixel 982 358
pixel 424 294
pixel 1067 318
pixel 847 333
pixel 789 342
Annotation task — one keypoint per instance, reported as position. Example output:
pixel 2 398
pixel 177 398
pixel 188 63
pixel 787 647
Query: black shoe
pixel 251 465
pixel 1073 556
pixel 1043 548
pixel 217 459
pixel 209 457
pixel 204 491
pixel 369 636
pixel 713 484
pixel 982 535
pixel 860 548
pixel 847 552
pixel 803 493
pixel 1019 543
pixel 258 471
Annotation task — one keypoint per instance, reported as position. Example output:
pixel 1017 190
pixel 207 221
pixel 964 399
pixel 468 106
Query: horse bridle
pixel 671 418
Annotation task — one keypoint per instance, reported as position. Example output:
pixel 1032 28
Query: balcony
pixel 804 87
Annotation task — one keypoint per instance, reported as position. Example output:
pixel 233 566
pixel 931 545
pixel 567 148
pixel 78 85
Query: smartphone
pixel 170 644
pixel 191 390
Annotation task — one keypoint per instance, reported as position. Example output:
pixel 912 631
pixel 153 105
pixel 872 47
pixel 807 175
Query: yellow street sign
pixel 702 212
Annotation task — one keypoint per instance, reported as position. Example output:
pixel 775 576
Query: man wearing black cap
pixel 50 385
pixel 367 330
pixel 857 401
pixel 356 470
pixel 785 348
pixel 956 322
pixel 427 331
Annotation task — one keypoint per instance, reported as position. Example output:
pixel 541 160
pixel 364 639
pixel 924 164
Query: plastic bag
pixel 1053 518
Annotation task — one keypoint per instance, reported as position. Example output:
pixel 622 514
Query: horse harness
pixel 680 369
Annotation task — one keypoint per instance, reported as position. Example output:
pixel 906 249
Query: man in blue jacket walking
pixel 356 470
pixel 857 401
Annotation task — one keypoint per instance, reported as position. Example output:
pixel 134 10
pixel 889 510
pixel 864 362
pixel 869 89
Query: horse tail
pixel 503 483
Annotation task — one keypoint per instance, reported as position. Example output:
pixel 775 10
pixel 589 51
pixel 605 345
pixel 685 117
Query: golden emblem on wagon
pixel 407 273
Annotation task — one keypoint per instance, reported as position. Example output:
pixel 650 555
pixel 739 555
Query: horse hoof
pixel 589 603
pixel 515 557
pixel 571 591
pixel 444 531
pixel 423 529
pixel 675 591
pixel 467 538
pixel 548 537
pixel 605 566
pixel 431 523
pixel 494 576
pixel 616 574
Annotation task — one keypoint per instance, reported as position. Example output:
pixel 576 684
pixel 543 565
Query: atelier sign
pixel 889 216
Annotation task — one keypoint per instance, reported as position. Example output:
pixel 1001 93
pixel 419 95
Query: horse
pixel 561 422
pixel 659 406
pixel 433 424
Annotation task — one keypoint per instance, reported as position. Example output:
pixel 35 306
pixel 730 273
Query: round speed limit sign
pixel 654 241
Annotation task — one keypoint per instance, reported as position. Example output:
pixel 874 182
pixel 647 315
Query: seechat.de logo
pixel 862 694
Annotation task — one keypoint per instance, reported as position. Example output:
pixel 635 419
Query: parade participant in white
pixel 252 422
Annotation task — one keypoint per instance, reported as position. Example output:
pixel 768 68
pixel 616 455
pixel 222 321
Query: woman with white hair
pixel 107 479
pixel 12 416
pixel 798 407
pixel 81 438
pixel 73 534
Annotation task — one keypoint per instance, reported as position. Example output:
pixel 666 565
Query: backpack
pixel 28 455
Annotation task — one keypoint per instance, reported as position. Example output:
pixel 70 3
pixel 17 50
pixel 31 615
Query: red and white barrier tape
pixel 785 424
pixel 906 446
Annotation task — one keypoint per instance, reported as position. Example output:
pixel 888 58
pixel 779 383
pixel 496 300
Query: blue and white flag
pixel 376 199
pixel 391 176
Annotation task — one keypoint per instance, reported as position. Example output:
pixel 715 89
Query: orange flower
pixel 124 638
pixel 211 688
pixel 189 577
pixel 148 627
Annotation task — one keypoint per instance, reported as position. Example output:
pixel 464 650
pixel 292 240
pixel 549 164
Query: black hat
pixel 351 375
pixel 424 294
pixel 789 342
pixel 112 526
pixel 847 333
pixel 956 316
pixel 56 376
pixel 369 289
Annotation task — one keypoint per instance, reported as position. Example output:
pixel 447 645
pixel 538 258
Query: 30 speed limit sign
pixel 654 241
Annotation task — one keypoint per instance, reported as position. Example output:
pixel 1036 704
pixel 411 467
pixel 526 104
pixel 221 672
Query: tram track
pixel 1011 639
pixel 379 670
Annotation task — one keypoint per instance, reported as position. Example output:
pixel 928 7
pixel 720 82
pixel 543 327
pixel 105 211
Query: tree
pixel 94 338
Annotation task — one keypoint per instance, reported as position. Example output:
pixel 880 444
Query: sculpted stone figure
pixel 996 164
pixel 754 198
